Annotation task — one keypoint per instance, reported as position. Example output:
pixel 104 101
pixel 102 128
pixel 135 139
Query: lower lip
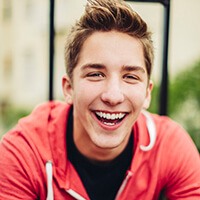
pixel 106 126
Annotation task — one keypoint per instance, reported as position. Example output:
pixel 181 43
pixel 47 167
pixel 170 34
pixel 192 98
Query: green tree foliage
pixel 185 86
pixel 184 100
pixel 10 115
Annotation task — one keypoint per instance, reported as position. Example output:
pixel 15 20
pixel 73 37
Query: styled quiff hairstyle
pixel 107 15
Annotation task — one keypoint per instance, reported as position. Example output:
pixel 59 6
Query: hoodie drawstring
pixel 151 130
pixel 49 172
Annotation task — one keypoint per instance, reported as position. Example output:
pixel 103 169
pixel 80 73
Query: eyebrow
pixel 131 68
pixel 93 66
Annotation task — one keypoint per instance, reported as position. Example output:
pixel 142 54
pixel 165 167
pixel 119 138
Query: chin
pixel 108 143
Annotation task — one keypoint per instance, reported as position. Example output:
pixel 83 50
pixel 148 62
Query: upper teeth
pixel 110 116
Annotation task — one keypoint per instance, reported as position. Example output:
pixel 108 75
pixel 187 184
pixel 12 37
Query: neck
pixel 96 153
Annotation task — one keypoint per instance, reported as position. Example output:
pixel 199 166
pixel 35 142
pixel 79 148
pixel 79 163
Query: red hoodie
pixel 34 164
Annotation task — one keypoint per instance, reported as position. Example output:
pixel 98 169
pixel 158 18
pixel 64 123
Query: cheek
pixel 84 93
pixel 137 95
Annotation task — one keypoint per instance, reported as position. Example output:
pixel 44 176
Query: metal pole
pixel 164 80
pixel 51 49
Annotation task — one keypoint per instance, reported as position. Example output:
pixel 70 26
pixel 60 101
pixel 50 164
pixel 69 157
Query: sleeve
pixel 183 167
pixel 16 169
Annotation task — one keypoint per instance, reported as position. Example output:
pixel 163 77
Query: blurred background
pixel 24 57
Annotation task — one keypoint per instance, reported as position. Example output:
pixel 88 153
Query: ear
pixel 148 95
pixel 67 89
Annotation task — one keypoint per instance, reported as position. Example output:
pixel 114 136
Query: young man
pixel 101 144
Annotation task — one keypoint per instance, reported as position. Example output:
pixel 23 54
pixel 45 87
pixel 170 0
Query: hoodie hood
pixel 45 131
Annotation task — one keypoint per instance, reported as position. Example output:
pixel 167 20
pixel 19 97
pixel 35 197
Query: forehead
pixel 112 49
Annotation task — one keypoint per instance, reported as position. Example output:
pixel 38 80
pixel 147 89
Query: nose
pixel 113 93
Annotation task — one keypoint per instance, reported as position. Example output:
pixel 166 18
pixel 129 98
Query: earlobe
pixel 148 95
pixel 67 89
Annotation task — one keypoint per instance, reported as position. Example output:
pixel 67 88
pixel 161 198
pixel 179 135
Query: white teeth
pixel 110 116
pixel 109 124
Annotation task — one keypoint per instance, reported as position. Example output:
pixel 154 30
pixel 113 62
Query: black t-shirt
pixel 102 180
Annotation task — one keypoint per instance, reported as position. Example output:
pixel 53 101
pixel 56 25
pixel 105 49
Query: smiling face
pixel 109 89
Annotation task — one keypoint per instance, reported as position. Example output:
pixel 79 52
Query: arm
pixel 16 169
pixel 183 173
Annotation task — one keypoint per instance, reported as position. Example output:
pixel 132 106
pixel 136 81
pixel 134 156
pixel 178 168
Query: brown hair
pixel 107 15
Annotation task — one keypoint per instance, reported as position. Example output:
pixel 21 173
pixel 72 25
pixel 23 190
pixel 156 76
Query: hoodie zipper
pixel 124 183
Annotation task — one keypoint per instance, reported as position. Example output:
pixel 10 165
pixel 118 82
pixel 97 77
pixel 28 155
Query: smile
pixel 110 119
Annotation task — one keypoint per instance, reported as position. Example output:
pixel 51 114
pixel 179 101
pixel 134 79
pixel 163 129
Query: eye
pixel 130 78
pixel 95 76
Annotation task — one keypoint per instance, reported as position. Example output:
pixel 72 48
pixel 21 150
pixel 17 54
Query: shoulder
pixel 177 157
pixel 25 148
